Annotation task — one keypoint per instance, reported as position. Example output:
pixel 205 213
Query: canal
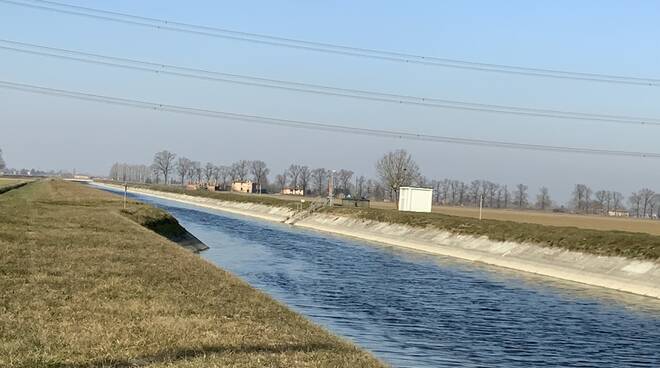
pixel 417 310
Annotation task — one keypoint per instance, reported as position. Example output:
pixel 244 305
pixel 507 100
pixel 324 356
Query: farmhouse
pixel 618 213
pixel 244 186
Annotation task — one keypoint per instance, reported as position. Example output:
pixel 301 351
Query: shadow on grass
pixel 172 356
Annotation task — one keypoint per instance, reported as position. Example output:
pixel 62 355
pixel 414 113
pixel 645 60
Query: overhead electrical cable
pixel 311 125
pixel 201 30
pixel 160 68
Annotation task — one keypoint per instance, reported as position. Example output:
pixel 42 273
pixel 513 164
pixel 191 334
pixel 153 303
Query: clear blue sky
pixel 611 37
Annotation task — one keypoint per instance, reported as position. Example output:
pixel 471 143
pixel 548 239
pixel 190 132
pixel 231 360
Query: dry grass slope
pixel 83 285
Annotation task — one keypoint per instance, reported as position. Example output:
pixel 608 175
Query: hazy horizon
pixel 46 132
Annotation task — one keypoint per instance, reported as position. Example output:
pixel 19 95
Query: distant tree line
pixel 395 169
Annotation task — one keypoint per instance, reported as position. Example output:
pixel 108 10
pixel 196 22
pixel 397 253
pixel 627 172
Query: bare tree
pixel 581 198
pixel 164 161
pixel 305 176
pixel 209 172
pixel 318 180
pixel 359 186
pixel 506 195
pixel 616 200
pixel 520 196
pixel 602 198
pixel 608 201
pixel 475 192
pixel 2 161
pixel 195 172
pixel 294 175
pixel 397 169
pixel 281 180
pixel 654 201
pixel 587 200
pixel 344 180
pixel 543 199
pixel 462 188
pixel 239 170
pixel 183 168
pixel 155 170
pixel 454 187
pixel 259 172
pixel 375 190
pixel 491 192
pixel 223 175
pixel 198 171
pixel 216 175
pixel 646 195
pixel 635 201
pixel 443 190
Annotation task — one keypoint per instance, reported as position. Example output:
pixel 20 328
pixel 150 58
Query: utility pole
pixel 125 193
pixel 481 206
pixel 331 189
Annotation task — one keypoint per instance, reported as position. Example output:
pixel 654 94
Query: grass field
pixel 83 285
pixel 9 181
pixel 548 218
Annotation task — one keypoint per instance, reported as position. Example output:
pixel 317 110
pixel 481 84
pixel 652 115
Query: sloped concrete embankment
pixel 633 276
pixel 260 211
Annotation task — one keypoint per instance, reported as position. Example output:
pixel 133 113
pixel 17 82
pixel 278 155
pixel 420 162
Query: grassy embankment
pixel 7 184
pixel 83 285
pixel 600 242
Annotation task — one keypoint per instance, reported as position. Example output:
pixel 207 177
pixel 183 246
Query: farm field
pixel 547 218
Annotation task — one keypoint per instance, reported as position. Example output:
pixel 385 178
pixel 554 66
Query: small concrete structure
pixel 355 202
pixel 293 191
pixel 415 199
pixel 244 187
pixel 212 188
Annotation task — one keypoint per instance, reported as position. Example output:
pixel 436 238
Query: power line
pixel 162 24
pixel 310 125
pixel 160 68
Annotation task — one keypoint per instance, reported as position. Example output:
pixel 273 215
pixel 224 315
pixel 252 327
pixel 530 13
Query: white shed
pixel 415 199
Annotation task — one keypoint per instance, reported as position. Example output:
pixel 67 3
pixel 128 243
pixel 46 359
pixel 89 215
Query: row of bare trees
pixel 394 169
pixel 643 203
pixel 165 163
pixel 451 192
pixel 316 181
pixel 584 200
pixel 131 173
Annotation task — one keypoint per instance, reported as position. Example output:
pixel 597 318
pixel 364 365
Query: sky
pixel 611 37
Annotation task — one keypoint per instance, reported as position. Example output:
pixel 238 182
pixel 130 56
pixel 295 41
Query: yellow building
pixel 244 187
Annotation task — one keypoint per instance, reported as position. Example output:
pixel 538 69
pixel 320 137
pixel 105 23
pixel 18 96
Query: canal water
pixel 417 310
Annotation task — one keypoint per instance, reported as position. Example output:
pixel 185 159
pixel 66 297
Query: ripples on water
pixel 415 310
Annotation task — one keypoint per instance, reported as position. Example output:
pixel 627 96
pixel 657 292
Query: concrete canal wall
pixel 633 276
